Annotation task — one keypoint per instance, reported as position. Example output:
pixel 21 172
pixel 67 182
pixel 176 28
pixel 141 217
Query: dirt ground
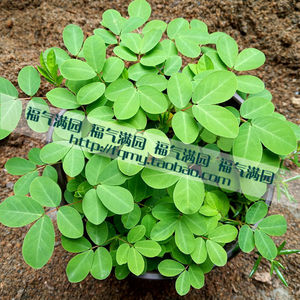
pixel 30 26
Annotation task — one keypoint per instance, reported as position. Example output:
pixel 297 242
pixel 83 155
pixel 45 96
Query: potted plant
pixel 129 214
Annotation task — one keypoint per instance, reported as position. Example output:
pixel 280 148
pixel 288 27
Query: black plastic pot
pixel 232 248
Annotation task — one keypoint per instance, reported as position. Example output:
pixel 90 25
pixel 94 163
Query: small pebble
pixel 9 23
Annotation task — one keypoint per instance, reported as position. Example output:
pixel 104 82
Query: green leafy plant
pixel 129 217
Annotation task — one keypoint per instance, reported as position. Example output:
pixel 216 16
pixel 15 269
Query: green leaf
pixel 18 211
pixel 154 57
pixel 94 52
pixel 50 172
pixel 208 211
pixel 93 207
pixel 102 264
pixel 10 115
pixel 217 87
pixel 69 222
pixel 249 59
pixel 95 167
pixel 136 233
pixel 45 191
pixel 131 219
pixel 217 119
pixel 7 89
pixel 176 26
pixel 153 136
pixel 182 283
pixel 172 65
pixel 152 101
pixel 204 64
pixel 75 245
pixel 97 233
pixel 150 40
pixel 62 98
pixel 132 41
pixel 51 63
pixel 263 94
pixel 265 245
pixel 132 24
pixel 199 25
pixel 225 144
pixel 75 69
pixel 112 69
pixel 138 121
pixel 100 114
pixel 163 229
pixel 154 24
pixel 223 234
pixel 227 49
pixel 73 38
pixel 127 104
pixel 60 55
pixel 157 81
pixel 186 45
pixel 148 221
pixel 21 187
pixel 124 53
pixel 273 225
pixel 196 276
pixel 256 212
pixel 79 266
pixel 184 238
pixel 199 254
pixel 117 88
pixel 53 152
pixel 122 254
pixel 19 166
pixel 247 144
pixel 169 48
pixel 139 8
pixel 185 127
pixel 73 162
pixel 188 195
pixel 121 272
pixel 249 84
pixel 136 71
pixel 256 107
pixel 255 267
pixel 196 223
pixel 128 168
pixel 246 239
pixel 29 80
pixel 115 198
pixel 37 104
pixel 275 134
pixel 148 248
pixel 111 174
pixel 38 243
pixel 112 20
pixel 107 36
pixel 164 210
pixel 215 58
pixel 157 179
pixel 136 262
pixel 216 253
pixel 90 93
pixel 280 276
pixel 179 90
pixel 170 268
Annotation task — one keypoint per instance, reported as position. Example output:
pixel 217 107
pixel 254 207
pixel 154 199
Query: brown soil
pixel 30 26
